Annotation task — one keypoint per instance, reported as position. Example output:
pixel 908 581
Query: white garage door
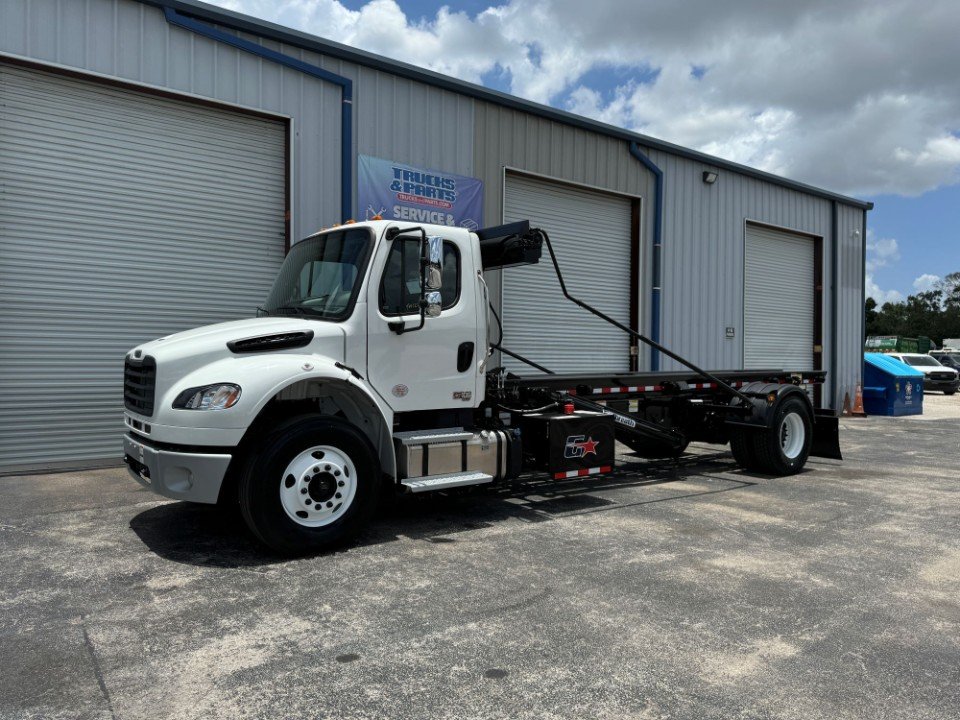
pixel 778 300
pixel 123 217
pixel 591 235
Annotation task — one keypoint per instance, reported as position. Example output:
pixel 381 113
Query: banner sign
pixel 403 192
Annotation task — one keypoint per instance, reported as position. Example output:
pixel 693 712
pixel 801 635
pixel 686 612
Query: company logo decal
pixel 424 188
pixel 400 390
pixel 578 446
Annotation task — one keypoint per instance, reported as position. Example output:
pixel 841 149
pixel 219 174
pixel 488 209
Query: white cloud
pixel 863 101
pixel 881 296
pixel 925 282
pixel 880 253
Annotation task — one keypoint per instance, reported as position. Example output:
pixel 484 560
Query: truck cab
pixel 350 338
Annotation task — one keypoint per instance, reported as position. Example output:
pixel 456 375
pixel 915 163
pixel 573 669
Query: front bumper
pixel 946 385
pixel 192 476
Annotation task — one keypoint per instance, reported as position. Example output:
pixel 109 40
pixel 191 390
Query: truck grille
pixel 139 384
pixel 942 376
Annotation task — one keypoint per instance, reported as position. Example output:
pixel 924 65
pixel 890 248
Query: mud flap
pixel 826 435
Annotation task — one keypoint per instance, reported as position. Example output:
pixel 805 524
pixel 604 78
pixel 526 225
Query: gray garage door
pixel 123 217
pixel 591 234
pixel 778 300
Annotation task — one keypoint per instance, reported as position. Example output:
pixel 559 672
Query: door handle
pixel 464 356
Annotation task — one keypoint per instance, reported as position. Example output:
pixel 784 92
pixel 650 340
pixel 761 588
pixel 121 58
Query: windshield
pixel 920 361
pixel 321 276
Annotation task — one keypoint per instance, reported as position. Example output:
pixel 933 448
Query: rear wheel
pixel 783 448
pixel 311 485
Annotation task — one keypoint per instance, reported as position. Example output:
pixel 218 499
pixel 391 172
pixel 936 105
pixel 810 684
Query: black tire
pixel 262 478
pixel 949 392
pixel 741 444
pixel 768 447
pixel 652 449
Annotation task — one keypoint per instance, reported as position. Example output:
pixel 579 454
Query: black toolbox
pixel 568 444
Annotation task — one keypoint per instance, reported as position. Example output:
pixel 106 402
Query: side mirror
pixel 432 301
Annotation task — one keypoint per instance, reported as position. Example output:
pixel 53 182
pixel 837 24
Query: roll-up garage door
pixel 591 234
pixel 123 217
pixel 778 316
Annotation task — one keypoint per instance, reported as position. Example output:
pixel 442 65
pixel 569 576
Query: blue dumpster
pixel 891 387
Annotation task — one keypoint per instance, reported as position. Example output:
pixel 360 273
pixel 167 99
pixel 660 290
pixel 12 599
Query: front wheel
pixel 311 485
pixel 783 448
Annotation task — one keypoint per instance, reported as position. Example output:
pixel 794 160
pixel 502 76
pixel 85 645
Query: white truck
pixel 369 371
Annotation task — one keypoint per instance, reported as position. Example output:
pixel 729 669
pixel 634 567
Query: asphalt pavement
pixel 671 590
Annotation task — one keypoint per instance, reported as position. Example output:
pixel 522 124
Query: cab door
pixel 434 367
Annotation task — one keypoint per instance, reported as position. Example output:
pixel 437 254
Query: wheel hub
pixel 322 486
pixel 318 486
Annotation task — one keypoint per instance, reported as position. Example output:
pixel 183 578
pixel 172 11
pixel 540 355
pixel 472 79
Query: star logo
pixel 579 446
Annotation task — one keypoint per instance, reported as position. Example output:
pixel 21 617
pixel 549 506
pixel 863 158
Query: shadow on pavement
pixel 205 535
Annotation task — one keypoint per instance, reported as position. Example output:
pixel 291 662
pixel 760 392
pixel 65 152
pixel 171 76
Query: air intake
pixel 266 343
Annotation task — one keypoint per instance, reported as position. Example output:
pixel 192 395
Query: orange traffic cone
pixel 845 410
pixel 858 410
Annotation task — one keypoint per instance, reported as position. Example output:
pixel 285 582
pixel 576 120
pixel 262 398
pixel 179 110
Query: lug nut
pixel 329 504
pixel 341 483
pixel 327 468
pixel 316 469
pixel 336 473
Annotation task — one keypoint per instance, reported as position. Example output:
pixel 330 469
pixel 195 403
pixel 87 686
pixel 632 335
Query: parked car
pixel 935 375
pixel 947 358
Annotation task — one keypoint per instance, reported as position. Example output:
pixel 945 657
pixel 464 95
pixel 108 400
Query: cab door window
pixel 400 287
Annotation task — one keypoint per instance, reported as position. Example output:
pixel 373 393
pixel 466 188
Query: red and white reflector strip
pixel 583 473
pixel 621 389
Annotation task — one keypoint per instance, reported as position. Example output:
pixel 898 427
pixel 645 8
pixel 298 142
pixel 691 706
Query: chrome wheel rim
pixel 792 435
pixel 318 486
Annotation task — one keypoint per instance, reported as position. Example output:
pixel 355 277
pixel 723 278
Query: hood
pixel 182 353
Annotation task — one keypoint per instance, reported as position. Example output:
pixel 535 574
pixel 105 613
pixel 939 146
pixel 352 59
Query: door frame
pixel 636 236
pixel 817 289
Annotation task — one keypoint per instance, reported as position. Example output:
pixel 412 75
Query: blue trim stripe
pixel 657 247
pixel 346 92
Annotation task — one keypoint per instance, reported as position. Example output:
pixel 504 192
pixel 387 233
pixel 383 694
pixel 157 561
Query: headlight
pixel 209 397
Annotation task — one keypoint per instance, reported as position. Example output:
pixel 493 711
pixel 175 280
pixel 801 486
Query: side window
pixel 400 287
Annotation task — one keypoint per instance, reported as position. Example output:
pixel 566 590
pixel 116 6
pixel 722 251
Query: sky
pixel 860 97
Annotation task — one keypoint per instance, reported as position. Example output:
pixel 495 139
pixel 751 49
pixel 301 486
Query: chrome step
pixel 431 437
pixel 442 482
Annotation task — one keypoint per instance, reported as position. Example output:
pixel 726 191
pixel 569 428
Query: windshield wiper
pixel 296 308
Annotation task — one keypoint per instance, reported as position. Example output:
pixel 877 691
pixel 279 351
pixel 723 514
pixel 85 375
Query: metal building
pixel 157 157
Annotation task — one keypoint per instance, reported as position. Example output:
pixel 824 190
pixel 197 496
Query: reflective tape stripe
pixel 582 473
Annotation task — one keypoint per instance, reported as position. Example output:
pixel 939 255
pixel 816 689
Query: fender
pixel 263 377
pixel 763 413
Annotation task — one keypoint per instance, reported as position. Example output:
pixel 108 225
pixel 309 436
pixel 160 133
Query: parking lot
pixel 686 590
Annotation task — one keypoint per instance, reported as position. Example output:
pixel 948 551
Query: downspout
pixel 657 247
pixel 834 299
pixel 346 92
pixel 863 294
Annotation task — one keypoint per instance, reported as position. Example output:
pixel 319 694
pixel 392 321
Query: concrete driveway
pixel 672 591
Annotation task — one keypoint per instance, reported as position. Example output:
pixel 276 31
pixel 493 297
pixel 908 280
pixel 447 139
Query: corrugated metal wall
pixel 394 117
pixel 513 139
pixel 412 122
pixel 702 281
